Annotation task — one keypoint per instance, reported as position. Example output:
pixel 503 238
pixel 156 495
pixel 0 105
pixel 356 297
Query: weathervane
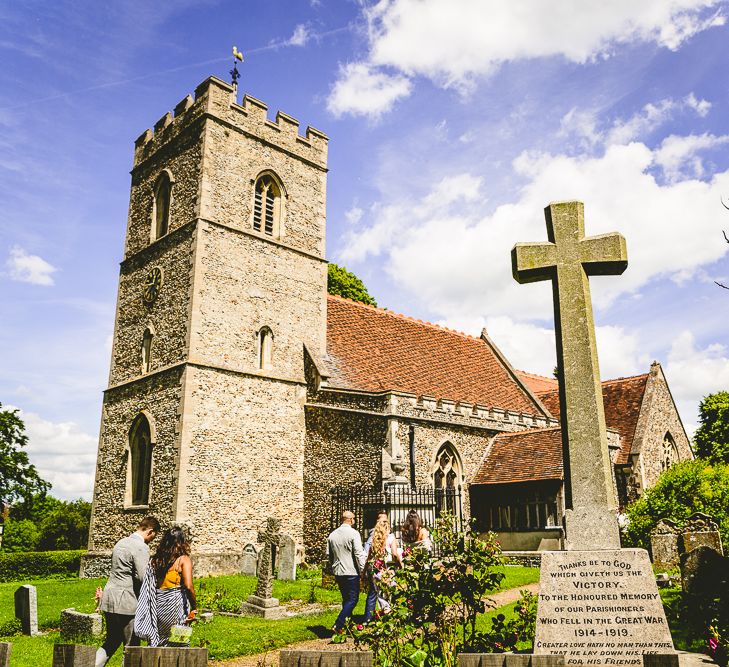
pixel 234 73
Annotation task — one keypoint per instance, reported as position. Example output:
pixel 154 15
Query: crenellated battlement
pixel 216 99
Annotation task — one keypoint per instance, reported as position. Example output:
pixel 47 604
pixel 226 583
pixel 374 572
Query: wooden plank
pixel 356 659
pixel 5 650
pixel 74 655
pixel 144 656
pixel 660 660
pixel 547 661
pixel 469 660
pixel 516 659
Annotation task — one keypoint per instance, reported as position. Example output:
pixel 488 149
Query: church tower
pixel 222 288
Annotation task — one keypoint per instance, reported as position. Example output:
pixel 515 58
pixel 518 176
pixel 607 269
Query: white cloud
pixel 364 91
pixel 300 37
pixel 454 41
pixel 26 268
pixel 695 372
pixel 353 215
pixel 678 156
pixel 63 454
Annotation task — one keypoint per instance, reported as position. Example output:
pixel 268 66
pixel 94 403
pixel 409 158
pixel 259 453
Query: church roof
pixel 524 456
pixel 622 399
pixel 372 349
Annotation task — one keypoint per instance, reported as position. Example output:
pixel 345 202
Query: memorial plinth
pixel 600 608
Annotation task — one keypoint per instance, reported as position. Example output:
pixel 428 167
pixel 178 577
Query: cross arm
pixel 604 255
pixel 532 262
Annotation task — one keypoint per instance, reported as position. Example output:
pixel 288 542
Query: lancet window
pixel 161 209
pixel 669 452
pixel 265 348
pixel 140 453
pixel 267 205
pixel 446 471
pixel 147 350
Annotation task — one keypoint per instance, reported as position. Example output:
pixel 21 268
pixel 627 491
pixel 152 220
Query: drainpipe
pixel 411 443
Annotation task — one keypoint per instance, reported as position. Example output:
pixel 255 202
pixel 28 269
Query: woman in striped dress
pixel 167 597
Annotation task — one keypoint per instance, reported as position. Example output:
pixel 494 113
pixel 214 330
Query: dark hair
pixel 149 522
pixel 411 527
pixel 173 544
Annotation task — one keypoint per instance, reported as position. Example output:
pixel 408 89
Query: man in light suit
pixel 346 558
pixel 129 560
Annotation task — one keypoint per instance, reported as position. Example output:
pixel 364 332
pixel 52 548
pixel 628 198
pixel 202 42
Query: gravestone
pixel 700 530
pixel 5 650
pixel 144 656
pixel 74 655
pixel 664 545
pixel 704 571
pixel 326 659
pixel 287 558
pixel 78 627
pixel 26 609
pixel 249 561
pixel 598 604
pixel 262 603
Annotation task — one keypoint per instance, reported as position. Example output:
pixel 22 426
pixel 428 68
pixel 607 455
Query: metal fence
pixel 397 500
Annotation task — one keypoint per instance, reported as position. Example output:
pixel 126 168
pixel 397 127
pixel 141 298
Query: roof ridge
pixel 407 318
pixel 537 375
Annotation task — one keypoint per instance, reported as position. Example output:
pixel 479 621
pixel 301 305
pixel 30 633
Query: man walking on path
pixel 129 561
pixel 346 558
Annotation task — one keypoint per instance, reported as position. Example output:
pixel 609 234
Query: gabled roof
pixel 372 349
pixel 538 383
pixel 622 399
pixel 523 456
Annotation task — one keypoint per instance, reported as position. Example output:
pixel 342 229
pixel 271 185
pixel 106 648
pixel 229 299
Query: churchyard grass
pixel 226 636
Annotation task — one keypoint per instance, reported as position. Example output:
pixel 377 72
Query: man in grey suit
pixel 129 560
pixel 346 558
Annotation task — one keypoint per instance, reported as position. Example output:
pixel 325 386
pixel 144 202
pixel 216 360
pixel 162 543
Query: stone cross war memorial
pixel 598 603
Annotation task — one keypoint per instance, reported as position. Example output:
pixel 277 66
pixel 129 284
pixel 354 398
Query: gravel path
pixel 271 659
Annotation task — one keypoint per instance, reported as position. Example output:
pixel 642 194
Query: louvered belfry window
pixel 266 205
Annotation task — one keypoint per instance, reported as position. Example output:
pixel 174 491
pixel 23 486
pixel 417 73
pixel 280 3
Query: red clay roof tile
pixel 372 349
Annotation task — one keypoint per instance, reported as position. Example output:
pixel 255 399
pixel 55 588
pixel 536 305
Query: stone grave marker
pixel 326 659
pixel 78 627
pixel 249 561
pixel 703 572
pixel 74 655
pixel 598 604
pixel 262 603
pixel 286 558
pixel 26 609
pixel 144 656
pixel 700 530
pixel 5 650
pixel 664 545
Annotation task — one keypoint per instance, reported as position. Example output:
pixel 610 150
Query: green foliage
pixel 20 536
pixel 711 440
pixel 19 479
pixel 39 564
pixel 66 527
pixel 436 602
pixel 344 283
pixel 685 488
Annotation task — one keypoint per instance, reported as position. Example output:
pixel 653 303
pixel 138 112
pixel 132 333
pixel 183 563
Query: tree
pixel 66 526
pixel 20 536
pixel 711 440
pixel 685 488
pixel 344 283
pixel 19 480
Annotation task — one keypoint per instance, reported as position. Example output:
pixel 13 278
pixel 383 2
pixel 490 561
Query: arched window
pixel 265 348
pixel 161 208
pixel 147 350
pixel 669 452
pixel 140 452
pixel 446 471
pixel 267 206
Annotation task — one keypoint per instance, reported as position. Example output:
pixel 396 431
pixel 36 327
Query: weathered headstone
pixel 26 609
pixel 704 571
pixel 5 650
pixel 598 604
pixel 78 627
pixel 700 530
pixel 249 561
pixel 144 656
pixel 263 604
pixel 286 558
pixel 326 659
pixel 664 545
pixel 74 655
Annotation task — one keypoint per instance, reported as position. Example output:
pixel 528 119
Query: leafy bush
pixel 711 440
pixel 66 527
pixel 435 603
pixel 685 488
pixel 344 283
pixel 40 565
pixel 20 536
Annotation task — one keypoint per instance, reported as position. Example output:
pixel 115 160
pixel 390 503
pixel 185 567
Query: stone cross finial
pixel 270 538
pixel 567 260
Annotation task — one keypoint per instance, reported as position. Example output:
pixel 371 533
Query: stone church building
pixel 240 390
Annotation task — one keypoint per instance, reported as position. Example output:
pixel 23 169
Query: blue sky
pixel 452 123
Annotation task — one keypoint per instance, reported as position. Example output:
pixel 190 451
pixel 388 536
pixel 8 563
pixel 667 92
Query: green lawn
pixel 226 637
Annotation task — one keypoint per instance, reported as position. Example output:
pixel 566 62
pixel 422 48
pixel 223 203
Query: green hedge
pixel 40 565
